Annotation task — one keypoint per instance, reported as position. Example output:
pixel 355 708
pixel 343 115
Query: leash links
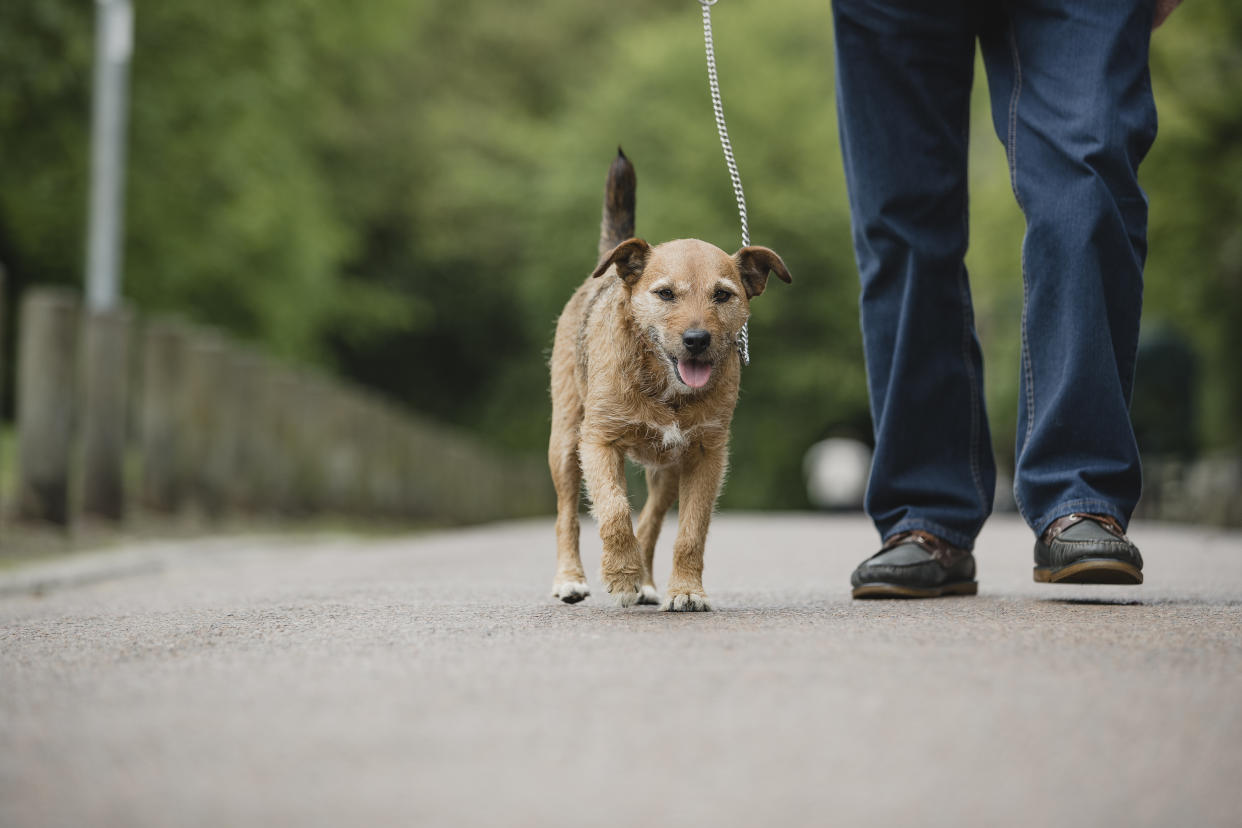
pixel 713 84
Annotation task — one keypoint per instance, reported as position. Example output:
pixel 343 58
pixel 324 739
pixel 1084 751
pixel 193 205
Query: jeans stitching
pixel 1028 372
pixel 1013 117
pixel 976 472
pixel 1013 177
pixel 971 376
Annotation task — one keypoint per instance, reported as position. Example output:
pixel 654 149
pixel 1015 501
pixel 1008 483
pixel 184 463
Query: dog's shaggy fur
pixel 645 365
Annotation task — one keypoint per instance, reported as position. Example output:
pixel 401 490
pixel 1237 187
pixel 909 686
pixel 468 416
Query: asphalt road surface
pixel 431 681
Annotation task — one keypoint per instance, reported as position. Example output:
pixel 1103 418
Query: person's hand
pixel 1163 9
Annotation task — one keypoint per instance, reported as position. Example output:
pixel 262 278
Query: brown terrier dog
pixel 646 365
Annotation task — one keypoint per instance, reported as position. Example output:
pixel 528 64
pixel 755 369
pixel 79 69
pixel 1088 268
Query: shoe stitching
pixel 941 551
pixel 1081 506
pixel 956 539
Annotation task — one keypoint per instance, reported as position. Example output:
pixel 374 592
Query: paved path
pixel 430 681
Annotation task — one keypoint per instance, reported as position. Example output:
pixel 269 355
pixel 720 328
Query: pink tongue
pixel 693 373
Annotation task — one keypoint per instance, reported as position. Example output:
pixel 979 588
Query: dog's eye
pixel 721 296
pixel 666 294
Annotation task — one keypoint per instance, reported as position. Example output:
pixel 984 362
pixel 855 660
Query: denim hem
pixel 957 539
pixel 1087 506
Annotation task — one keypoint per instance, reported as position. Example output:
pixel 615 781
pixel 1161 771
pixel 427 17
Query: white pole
pixel 114 37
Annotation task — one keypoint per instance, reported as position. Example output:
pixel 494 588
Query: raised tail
pixel 617 224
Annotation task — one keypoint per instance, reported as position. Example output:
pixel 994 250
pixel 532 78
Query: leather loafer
pixel 1087 549
pixel 915 564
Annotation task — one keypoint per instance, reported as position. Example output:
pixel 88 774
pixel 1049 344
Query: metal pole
pixel 114 37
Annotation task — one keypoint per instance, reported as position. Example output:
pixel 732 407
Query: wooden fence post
pixel 313 434
pixel 162 439
pixel 222 438
pixel 105 409
pixel 341 456
pixel 46 386
pixel 249 386
pixel 280 421
pixel 202 421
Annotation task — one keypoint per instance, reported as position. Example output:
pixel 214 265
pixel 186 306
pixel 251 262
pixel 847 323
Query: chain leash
pixel 713 82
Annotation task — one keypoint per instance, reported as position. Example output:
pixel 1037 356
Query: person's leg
pixel 1071 100
pixel 904 72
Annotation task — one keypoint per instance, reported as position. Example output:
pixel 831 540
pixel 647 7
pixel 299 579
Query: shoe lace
pixel 938 548
pixel 1109 523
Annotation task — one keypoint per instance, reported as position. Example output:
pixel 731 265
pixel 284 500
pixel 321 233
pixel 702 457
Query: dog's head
pixel 690 299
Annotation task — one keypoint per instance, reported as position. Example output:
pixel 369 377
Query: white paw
pixel 625 589
pixel 648 595
pixel 626 597
pixel 571 592
pixel 686 602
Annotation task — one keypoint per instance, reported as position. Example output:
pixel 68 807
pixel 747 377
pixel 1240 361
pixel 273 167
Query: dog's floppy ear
pixel 754 264
pixel 630 257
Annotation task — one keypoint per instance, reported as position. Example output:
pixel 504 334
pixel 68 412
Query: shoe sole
pixel 881 590
pixel 1091 571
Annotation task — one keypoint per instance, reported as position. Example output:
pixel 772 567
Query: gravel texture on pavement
pixel 431 680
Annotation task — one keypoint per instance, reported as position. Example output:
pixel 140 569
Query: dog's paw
pixel 624 591
pixel 571 592
pixel 648 595
pixel 626 596
pixel 686 602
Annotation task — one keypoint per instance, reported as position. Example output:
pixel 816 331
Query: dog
pixel 645 365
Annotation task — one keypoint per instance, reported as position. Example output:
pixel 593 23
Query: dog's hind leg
pixel 570 584
pixel 661 492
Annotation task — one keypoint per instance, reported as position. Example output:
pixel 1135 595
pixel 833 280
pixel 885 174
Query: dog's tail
pixel 618 221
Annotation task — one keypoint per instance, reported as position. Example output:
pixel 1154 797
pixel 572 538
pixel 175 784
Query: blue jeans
pixel 1071 101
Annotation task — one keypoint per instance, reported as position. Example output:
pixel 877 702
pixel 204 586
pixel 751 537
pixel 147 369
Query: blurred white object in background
pixel 836 472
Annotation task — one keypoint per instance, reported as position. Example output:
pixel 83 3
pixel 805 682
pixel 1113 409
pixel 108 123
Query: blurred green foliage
pixel 408 191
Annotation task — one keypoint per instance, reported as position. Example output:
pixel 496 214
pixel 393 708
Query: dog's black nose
pixel 696 340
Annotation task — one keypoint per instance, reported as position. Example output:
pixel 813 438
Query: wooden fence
pixel 117 417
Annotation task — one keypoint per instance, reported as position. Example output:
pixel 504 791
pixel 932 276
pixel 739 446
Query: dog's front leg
pixel 701 475
pixel 661 492
pixel 603 467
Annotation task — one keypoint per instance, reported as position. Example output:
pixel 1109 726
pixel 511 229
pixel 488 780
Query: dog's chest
pixel 672 439
pixel 662 444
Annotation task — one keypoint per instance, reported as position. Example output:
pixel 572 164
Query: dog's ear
pixel 630 257
pixel 754 264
